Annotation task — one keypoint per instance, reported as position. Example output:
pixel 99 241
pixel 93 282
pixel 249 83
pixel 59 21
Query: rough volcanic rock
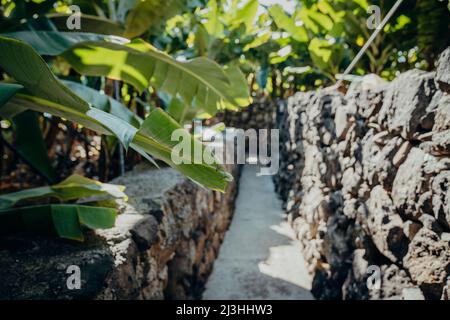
pixel 441 129
pixel 443 71
pixel 441 198
pixel 369 185
pixel 408 185
pixel 428 262
pixel 385 225
pixel 378 152
pixel 393 281
pixel 405 102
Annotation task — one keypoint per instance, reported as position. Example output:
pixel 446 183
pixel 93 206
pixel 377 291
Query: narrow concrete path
pixel 259 258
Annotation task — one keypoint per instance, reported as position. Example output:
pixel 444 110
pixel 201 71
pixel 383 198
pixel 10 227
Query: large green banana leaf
pixel 53 43
pixel 185 113
pixel 72 188
pixel 19 211
pixel 88 23
pixel 45 93
pixel 201 82
pixel 212 176
pixel 104 102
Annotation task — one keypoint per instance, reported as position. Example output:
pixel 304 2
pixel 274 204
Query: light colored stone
pixel 412 294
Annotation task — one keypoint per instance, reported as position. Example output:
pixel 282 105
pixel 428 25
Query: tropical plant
pixel 198 84
pixel 136 62
pixel 52 210
pixel 103 79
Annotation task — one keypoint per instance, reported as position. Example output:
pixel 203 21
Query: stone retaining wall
pixel 163 245
pixel 365 178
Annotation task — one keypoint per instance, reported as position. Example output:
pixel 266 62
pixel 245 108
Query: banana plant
pixel 200 82
pixel 52 210
pixel 40 90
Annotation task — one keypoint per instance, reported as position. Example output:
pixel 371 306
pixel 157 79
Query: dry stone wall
pixel 365 178
pixel 163 245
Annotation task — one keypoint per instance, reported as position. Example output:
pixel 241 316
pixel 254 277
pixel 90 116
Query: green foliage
pixel 288 24
pixel 45 93
pixel 72 188
pixel 104 103
pixel 20 211
pixel 31 145
pixel 7 91
pixel 63 220
pixel 53 43
pixel 200 82
pixel 196 58
pixel 88 24
pixel 147 13
pixel 433 28
pixel 326 56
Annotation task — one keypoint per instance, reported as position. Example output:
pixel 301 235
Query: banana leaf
pixel 45 93
pixel 53 43
pixel 72 188
pixel 200 82
pixel 88 23
pixel 104 103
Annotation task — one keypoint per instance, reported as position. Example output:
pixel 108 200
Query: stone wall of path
pixel 365 178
